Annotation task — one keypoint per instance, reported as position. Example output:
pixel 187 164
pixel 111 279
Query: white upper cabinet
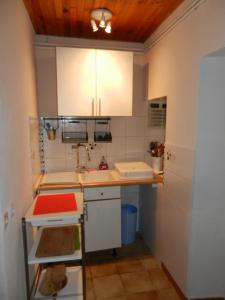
pixel 114 83
pixel 75 81
pixel 94 82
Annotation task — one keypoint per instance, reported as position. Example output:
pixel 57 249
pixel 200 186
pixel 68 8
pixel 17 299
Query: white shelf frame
pixel 55 220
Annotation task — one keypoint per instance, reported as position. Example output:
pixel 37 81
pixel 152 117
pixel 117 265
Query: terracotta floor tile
pixel 159 279
pixel 168 294
pixel 143 296
pixel 103 269
pixel 145 256
pixel 108 287
pixel 88 272
pixel 129 265
pixel 118 298
pixel 150 263
pixel 89 290
pixel 137 282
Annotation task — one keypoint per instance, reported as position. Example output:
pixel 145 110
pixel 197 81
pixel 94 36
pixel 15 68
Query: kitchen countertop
pixel 115 182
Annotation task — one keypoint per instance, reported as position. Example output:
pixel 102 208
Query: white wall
pixel 174 71
pixel 207 264
pixel 17 103
pixel 174 65
pixel 3 290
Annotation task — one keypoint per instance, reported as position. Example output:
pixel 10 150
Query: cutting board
pixel 55 203
pixel 58 241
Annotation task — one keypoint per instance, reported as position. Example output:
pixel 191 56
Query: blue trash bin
pixel 129 220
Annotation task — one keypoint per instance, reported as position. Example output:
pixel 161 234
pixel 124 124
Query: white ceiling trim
pixel 55 41
pixel 181 13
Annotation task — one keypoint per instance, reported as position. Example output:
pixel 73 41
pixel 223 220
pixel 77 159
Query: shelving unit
pixel 75 263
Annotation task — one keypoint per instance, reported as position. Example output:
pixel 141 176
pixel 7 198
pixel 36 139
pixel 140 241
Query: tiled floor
pixel 133 275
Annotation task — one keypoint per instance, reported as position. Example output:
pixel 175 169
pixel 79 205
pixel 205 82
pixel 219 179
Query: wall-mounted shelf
pixel 74 118
pixel 74 129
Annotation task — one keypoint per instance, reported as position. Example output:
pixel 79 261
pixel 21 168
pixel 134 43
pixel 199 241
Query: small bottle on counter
pixel 103 164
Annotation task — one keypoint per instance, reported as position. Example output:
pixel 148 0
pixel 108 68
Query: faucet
pixel 79 168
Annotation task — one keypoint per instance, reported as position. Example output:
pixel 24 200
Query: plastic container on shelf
pixel 129 221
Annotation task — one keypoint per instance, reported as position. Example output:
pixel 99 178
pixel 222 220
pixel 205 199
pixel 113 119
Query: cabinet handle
pixel 86 212
pixel 55 220
pixel 99 106
pixel 93 109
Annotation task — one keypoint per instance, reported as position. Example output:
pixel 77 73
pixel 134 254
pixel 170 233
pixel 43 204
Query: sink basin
pixel 134 170
pixel 96 176
pixel 60 178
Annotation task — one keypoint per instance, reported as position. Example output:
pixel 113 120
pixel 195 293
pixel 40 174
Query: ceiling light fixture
pixel 108 27
pixel 102 22
pixel 103 16
pixel 94 26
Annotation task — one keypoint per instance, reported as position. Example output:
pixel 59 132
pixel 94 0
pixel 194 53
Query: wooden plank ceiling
pixel 133 20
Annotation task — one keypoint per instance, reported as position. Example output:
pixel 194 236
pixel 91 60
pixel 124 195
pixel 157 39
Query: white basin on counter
pixel 124 171
pixel 96 176
pixel 134 170
pixel 60 178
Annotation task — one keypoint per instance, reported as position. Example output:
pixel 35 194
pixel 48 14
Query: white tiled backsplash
pixel 130 141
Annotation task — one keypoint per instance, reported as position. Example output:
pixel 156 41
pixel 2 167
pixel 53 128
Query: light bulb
pixel 102 22
pixel 94 26
pixel 108 27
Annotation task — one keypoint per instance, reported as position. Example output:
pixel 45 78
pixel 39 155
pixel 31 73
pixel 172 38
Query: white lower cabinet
pixel 102 218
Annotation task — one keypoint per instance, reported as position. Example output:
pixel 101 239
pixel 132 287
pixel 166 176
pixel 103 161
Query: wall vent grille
pixel 157 112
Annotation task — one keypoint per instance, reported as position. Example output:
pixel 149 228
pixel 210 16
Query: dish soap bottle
pixel 103 164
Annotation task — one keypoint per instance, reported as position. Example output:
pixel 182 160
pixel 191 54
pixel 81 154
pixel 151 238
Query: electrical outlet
pixel 6 218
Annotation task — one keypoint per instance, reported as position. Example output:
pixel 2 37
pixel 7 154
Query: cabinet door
pixel 75 81
pixel 102 225
pixel 114 83
pixel 46 81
